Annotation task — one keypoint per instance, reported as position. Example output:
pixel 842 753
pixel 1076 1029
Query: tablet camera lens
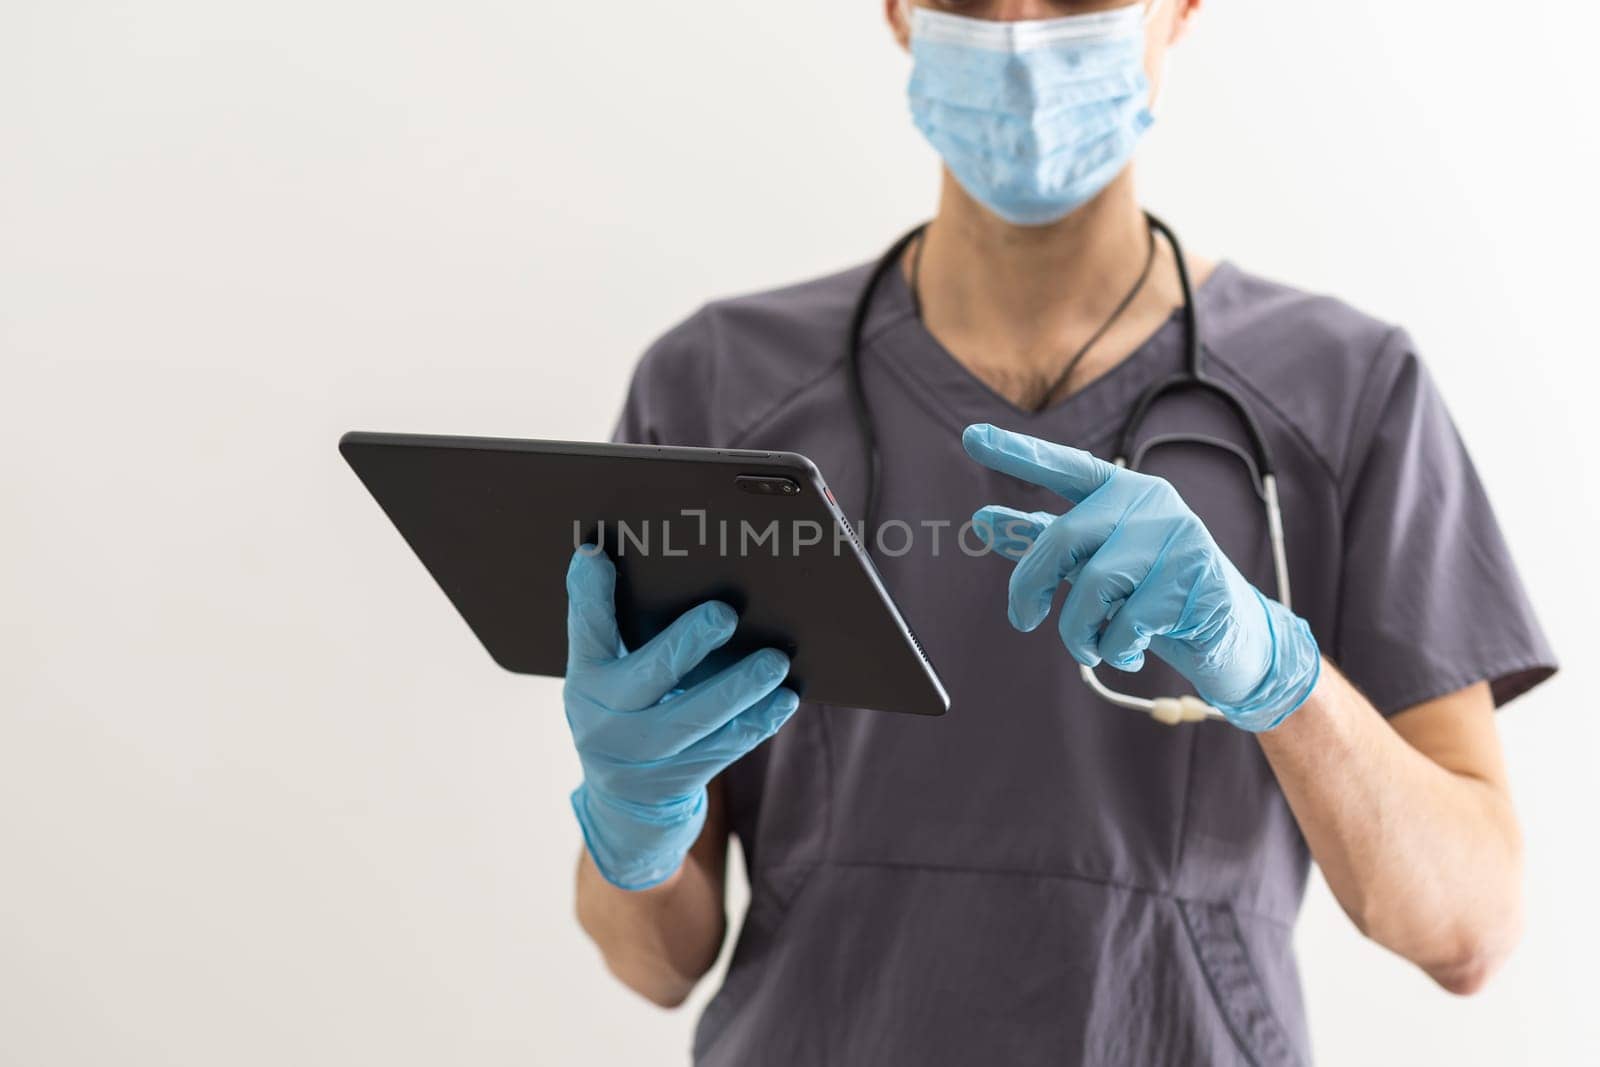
pixel 765 486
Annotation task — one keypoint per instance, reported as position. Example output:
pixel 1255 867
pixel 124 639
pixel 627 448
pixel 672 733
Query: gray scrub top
pixel 1039 877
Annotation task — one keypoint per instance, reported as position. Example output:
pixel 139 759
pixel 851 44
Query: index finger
pixel 1065 471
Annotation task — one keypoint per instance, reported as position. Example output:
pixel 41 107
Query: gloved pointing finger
pixel 1067 472
pixel 1145 573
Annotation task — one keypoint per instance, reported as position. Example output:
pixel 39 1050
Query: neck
pixel 1027 271
pixel 1014 303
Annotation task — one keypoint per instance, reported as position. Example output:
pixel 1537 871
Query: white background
pixel 262 798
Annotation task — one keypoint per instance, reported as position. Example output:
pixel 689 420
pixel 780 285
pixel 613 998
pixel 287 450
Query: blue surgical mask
pixel 1033 118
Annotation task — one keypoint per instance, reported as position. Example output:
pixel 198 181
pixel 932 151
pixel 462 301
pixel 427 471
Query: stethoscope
pixel 1191 379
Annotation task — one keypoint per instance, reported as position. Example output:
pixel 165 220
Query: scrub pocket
pixel 791 842
pixel 1220 948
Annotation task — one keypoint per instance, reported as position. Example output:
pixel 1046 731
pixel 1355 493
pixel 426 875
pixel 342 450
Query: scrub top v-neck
pixel 929 368
pixel 1038 877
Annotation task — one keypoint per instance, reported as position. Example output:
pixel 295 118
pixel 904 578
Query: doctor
pixel 1040 877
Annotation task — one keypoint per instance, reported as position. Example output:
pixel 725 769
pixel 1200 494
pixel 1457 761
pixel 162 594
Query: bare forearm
pixel 1426 860
pixel 660 942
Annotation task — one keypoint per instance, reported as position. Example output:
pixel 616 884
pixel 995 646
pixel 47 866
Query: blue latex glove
pixel 649 748
pixel 1135 554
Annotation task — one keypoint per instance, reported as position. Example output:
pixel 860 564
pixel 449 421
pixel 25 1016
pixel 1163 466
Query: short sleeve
pixel 1430 601
pixel 668 399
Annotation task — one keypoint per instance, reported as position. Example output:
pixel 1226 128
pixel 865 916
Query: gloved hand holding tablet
pixel 649 747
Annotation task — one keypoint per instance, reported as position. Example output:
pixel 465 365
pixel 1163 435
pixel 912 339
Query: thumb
pixel 592 635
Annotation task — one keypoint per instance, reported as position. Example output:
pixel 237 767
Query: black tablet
pixel 496 523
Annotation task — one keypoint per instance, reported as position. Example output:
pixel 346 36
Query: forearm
pixel 660 941
pixel 1425 860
